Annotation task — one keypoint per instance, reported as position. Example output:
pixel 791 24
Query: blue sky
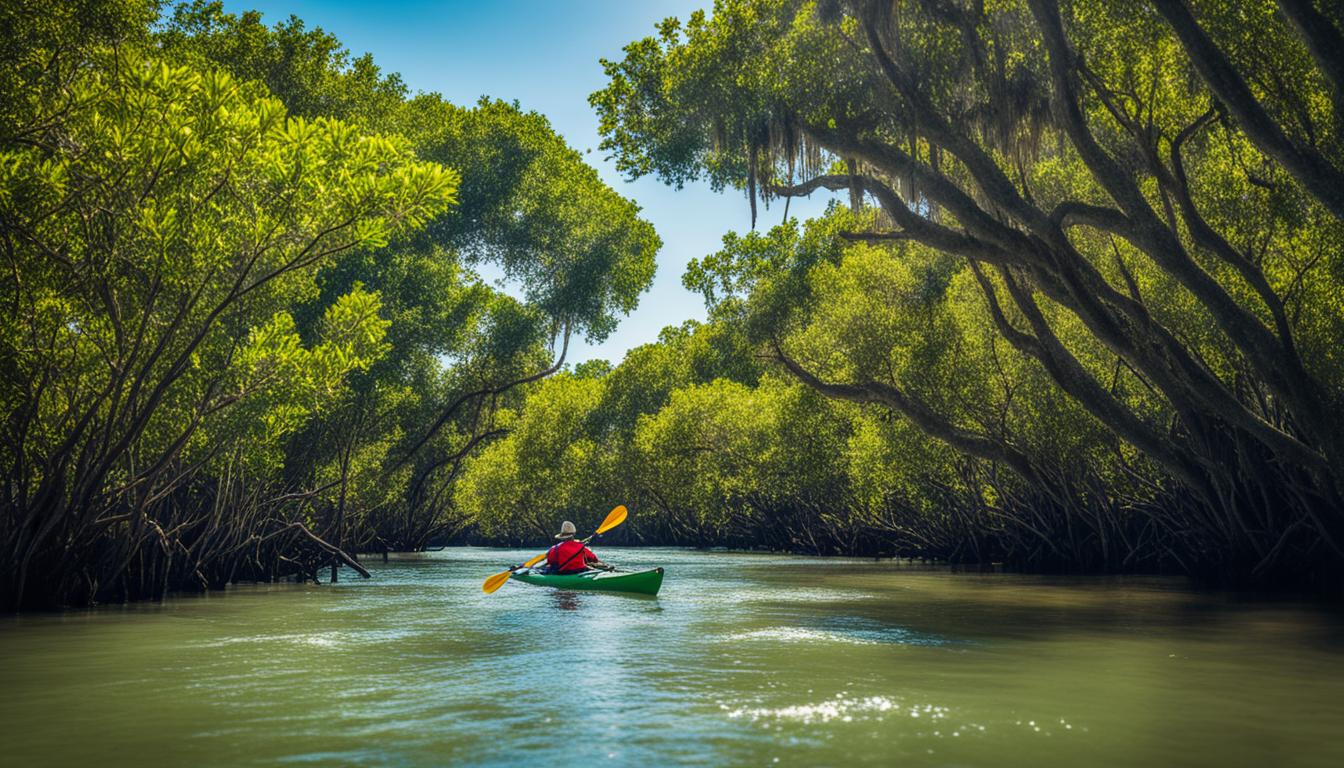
pixel 544 54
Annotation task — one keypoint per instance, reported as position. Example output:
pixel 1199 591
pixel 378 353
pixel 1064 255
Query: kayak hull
pixel 631 582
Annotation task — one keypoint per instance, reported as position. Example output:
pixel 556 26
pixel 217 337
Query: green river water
pixel 742 660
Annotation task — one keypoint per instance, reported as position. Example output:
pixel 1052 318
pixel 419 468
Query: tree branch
pixel 1324 181
pixel 482 392
pixel 923 417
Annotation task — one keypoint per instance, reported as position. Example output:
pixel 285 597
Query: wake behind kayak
pixel 634 582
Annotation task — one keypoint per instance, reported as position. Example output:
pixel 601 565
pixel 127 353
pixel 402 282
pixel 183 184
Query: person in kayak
pixel 571 556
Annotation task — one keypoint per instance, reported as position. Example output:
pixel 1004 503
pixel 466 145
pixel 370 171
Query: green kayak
pixel 637 582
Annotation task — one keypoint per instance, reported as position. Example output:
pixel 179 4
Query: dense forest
pixel 243 335
pixel 1079 310
pixel 1082 310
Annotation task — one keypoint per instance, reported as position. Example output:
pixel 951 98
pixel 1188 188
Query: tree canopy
pixel 1076 303
pixel 1138 202
pixel 243 330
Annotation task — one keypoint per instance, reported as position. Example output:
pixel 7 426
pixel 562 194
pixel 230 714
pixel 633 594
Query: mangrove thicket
pixel 1081 308
pixel 243 335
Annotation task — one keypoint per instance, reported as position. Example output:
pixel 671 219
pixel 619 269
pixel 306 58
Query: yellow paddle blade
pixel 614 519
pixel 495 582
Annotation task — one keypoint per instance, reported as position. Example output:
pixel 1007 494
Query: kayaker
pixel 571 556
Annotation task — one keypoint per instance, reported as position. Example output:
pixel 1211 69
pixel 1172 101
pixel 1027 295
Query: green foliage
pixel 529 202
pixel 242 296
pixel 158 255
pixel 1093 243
pixel 307 69
pixel 43 46
pixel 544 468
pixel 579 252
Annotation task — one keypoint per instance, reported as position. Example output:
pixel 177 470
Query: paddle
pixel 614 518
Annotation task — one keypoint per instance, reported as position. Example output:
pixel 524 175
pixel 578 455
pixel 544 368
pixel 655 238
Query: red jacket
pixel 569 556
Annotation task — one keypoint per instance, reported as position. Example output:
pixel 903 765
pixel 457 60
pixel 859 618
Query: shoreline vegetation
pixel 1078 305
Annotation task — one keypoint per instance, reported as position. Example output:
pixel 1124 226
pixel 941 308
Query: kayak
pixel 636 582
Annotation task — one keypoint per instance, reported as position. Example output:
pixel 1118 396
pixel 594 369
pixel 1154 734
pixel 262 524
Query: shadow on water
pixel 566 601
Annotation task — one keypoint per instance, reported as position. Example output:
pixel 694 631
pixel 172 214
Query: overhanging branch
pixel 919 413
pixel 482 392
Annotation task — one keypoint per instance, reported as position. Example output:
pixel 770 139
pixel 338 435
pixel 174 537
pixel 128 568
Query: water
pixel 742 660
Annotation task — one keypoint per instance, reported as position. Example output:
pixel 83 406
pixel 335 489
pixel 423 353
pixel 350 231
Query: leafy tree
pixel 307 69
pixel 1145 203
pixel 159 225
pixel 579 252
pixel 517 486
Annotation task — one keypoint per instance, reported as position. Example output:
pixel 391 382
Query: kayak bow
pixel 635 582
